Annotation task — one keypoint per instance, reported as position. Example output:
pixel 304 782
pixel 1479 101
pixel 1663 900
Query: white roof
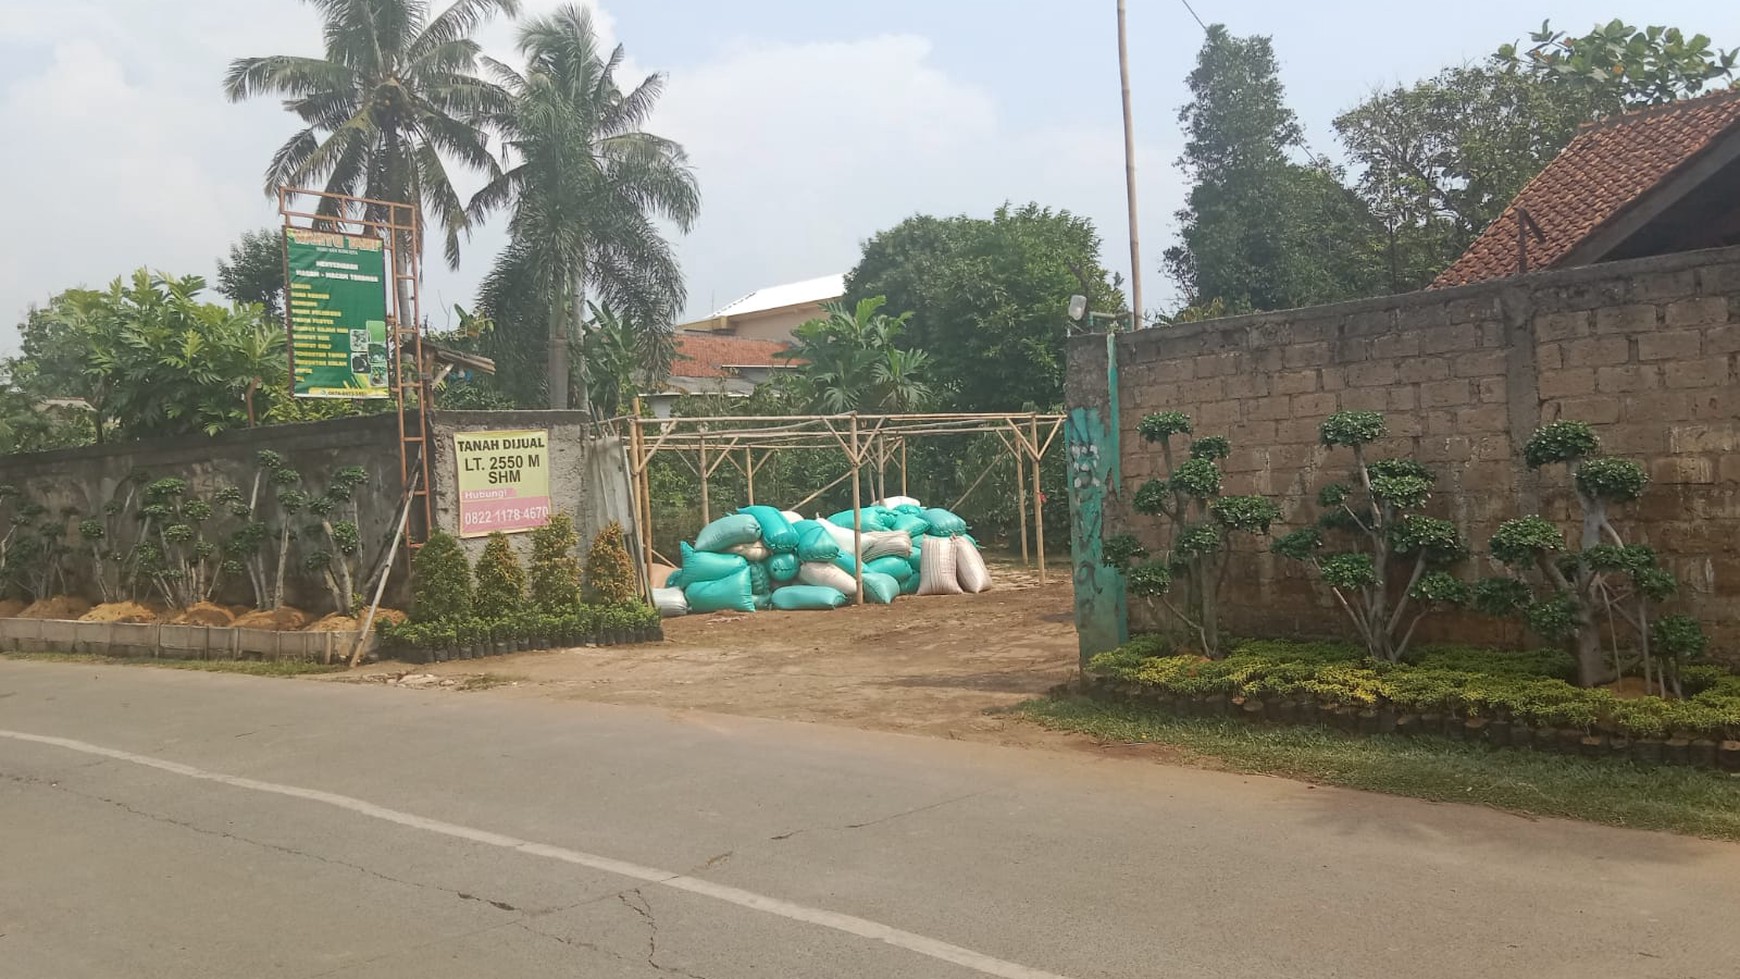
pixel 827 288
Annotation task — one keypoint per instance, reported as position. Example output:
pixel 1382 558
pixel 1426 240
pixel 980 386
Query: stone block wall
pixel 1645 350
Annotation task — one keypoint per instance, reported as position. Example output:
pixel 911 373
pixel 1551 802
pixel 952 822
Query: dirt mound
pixel 334 623
pixel 203 613
pixel 282 619
pixel 10 607
pixel 392 615
pixel 58 607
pixel 122 612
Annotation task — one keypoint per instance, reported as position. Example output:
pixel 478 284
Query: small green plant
pixel 1201 523
pixel 554 576
pixel 1379 515
pixel 1604 586
pixel 440 581
pixel 501 582
pixel 610 576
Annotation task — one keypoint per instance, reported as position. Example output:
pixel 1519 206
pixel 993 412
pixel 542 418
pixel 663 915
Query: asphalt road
pixel 159 823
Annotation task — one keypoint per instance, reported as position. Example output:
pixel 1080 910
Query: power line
pixel 1192 10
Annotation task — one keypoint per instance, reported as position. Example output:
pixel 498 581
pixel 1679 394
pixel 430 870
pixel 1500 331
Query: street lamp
pixel 1078 311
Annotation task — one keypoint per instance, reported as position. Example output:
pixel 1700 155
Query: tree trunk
pixel 558 382
pixel 583 392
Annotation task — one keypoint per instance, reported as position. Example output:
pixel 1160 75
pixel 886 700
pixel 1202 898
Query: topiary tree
pixel 610 577
pixel 1603 582
pixel 555 572
pixel 336 552
pixel 1378 518
pixel 440 581
pixel 501 582
pixel 1200 521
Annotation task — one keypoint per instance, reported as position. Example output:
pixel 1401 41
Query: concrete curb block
pixel 149 640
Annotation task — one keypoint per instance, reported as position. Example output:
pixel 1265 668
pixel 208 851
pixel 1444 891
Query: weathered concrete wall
pixel 83 480
pixel 1645 350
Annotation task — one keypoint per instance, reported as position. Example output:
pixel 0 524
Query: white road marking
pixel 863 928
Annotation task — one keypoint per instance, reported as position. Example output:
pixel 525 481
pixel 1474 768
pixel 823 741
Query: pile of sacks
pixel 761 558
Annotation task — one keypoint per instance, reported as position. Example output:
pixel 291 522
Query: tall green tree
pixel 391 99
pixel 254 271
pixel 623 356
pixel 851 360
pixel 1616 67
pixel 585 187
pixel 987 299
pixel 1259 229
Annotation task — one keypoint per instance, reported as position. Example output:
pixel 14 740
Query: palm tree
pixel 392 96
pixel 585 185
pixel 624 355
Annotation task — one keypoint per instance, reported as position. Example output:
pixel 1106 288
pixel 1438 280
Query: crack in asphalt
pixel 880 819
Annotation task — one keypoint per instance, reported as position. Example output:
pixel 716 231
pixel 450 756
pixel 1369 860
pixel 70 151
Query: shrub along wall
pixel 1645 350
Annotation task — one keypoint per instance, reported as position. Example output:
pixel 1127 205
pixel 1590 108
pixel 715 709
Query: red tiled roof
pixel 1606 168
pixel 708 354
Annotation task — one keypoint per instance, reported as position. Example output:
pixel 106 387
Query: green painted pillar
pixel 1091 438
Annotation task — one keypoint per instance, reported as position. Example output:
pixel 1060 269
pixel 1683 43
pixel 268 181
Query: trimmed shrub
pixel 555 572
pixel 440 581
pixel 610 577
pixel 501 582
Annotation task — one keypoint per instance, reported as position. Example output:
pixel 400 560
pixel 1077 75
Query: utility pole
pixel 1130 173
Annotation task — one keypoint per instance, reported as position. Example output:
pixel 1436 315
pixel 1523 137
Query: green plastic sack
pixel 894 567
pixel 843 561
pixel 703 566
pixel 727 532
pixel 909 510
pixel 760 581
pixel 913 524
pixel 763 602
pixel 807 598
pixel 910 585
pixel 943 523
pixel 871 518
pixel 782 567
pixel 815 543
pixel 879 589
pixel 776 530
pixel 731 593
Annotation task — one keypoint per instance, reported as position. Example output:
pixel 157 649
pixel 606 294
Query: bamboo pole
pixel 857 515
pixel 1038 500
pixel 749 474
pixel 903 490
pixel 706 505
pixel 362 636
pixel 642 499
pixel 1021 499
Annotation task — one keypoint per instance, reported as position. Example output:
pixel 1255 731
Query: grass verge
pixel 1616 793
pixel 247 667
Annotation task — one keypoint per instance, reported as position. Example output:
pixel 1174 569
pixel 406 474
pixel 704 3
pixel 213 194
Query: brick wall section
pixel 1645 350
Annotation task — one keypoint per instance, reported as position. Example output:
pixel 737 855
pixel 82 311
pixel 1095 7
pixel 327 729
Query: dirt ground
pixel 940 665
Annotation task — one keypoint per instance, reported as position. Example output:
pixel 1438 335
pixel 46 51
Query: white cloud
pixel 129 155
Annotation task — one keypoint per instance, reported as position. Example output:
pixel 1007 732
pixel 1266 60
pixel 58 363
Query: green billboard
pixel 337 305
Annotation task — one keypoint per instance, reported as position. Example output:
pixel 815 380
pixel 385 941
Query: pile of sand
pixel 10 607
pixel 58 607
pixel 392 615
pixel 203 613
pixel 282 619
pixel 334 623
pixel 660 572
pixel 122 612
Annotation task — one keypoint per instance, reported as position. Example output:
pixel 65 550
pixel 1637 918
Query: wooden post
pixel 706 506
pixel 1038 498
pixel 642 495
pixel 857 513
pixel 1020 454
pixel 903 491
pixel 749 474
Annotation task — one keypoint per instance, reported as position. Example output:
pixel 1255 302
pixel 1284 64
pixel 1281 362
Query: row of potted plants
pixel 472 637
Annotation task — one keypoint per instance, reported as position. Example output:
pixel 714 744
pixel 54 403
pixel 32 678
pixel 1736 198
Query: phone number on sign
pixel 505 515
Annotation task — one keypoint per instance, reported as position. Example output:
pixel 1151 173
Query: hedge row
pixel 467 638
pixel 1457 684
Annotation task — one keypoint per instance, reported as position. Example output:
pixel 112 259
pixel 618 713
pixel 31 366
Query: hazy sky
pixel 812 123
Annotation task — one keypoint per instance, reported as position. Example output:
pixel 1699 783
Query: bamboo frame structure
pixel 866 440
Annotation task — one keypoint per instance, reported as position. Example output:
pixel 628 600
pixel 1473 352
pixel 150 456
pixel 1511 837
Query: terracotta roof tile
pixel 708 354
pixel 1606 168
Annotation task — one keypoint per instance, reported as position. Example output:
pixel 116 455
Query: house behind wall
pixel 1646 350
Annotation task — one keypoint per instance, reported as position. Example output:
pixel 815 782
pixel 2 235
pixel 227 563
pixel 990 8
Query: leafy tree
pixel 850 361
pixel 1260 231
pixel 1616 67
pixel 624 356
pixel 987 299
pixel 585 188
pixel 1201 523
pixel 254 271
pixel 389 102
pixel 1391 539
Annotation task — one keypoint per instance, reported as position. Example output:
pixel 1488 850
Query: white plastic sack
pixel 791 516
pixel 899 501
pixel 936 569
pixel 671 602
pixel 752 551
pixel 829 575
pixel 841 535
pixel 887 543
pixel 970 568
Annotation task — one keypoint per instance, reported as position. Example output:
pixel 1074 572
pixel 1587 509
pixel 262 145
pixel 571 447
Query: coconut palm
pixel 391 99
pixel 585 185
